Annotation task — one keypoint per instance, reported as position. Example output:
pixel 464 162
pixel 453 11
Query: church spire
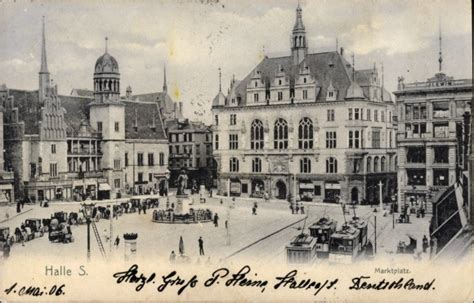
pixel 44 82
pixel 298 38
pixel 44 61
pixel 165 87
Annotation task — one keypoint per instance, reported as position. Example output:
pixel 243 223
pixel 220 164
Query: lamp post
pixel 228 213
pixel 380 195
pixel 87 211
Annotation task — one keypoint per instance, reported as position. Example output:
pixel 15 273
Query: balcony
pixel 84 151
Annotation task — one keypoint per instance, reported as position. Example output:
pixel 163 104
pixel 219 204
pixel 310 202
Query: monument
pixel 181 193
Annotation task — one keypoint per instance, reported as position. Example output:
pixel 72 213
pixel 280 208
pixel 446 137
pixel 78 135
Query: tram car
pixel 344 245
pixel 322 231
pixel 301 250
pixel 361 225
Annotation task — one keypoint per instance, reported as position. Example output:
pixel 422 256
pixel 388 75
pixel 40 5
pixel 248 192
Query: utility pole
pixel 228 212
pixel 380 195
pixel 133 168
pixel 375 233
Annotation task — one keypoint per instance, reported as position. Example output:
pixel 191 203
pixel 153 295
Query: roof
pixel 187 125
pixel 76 112
pixel 143 120
pixel 219 99
pixel 326 68
pixel 106 64
pixel 162 98
pixel 77 115
pixel 29 110
pixel 82 92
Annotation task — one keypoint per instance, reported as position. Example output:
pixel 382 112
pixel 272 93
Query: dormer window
pixel 279 82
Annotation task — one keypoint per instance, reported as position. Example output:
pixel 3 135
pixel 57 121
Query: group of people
pixel 194 215
pixel 297 208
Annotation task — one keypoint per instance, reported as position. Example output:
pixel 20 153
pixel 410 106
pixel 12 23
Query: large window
pixel 350 114
pixel 441 154
pixel 280 134
pixel 234 165
pixel 440 110
pixel 256 165
pixel 53 148
pixel 416 176
pixel 162 159
pixel 305 134
pixel 369 117
pixel 233 141
pixel 369 164
pixel 53 170
pixel 305 94
pixel 233 119
pixel 441 177
pixel 330 114
pixel 382 164
pixel 151 159
pixel 416 154
pixel 256 135
pixel 331 165
pixel 216 142
pixel 305 165
pixel 376 164
pixel 126 158
pixel 140 159
pixel 354 139
pixel 331 139
pixel 117 165
pixel 376 138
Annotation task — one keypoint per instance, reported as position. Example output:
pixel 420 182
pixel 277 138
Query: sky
pixel 193 38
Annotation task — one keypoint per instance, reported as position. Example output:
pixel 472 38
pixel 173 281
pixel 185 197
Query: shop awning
pixel 104 187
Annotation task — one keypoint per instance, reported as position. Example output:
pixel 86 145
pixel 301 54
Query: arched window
pixel 331 165
pixel 369 164
pixel 256 165
pixel 280 134
pixel 234 165
pixel 376 164
pixel 256 135
pixel 305 165
pixel 382 164
pixel 305 134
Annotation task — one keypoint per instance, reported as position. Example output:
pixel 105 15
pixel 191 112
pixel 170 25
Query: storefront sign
pixel 235 188
pixel 306 186
pixel 332 186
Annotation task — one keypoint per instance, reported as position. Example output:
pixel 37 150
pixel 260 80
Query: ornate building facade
pixel 432 136
pixel 306 125
pixel 72 147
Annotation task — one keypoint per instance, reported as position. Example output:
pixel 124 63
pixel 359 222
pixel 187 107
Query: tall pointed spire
pixel 165 87
pixel 106 44
pixel 44 60
pixel 220 80
pixel 440 59
pixel 299 48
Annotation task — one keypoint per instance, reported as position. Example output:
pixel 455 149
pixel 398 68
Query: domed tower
pixel 107 117
pixel 106 78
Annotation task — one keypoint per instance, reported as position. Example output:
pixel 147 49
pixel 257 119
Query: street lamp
pixel 87 210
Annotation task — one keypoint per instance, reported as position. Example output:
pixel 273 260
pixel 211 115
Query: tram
pixel 322 231
pixel 344 245
pixel 361 225
pixel 301 250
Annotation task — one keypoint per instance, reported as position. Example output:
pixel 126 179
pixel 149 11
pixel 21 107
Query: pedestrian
pixel 254 211
pixel 172 256
pixel 210 193
pixel 144 209
pixel 172 205
pixel 302 209
pixel 422 211
pixel 201 246
pixel 117 241
pixel 216 220
pixel 297 209
pixel 22 203
pixel 139 209
pixel 18 207
pixel 292 209
pixel 425 243
pixel 222 201
pixel 225 223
